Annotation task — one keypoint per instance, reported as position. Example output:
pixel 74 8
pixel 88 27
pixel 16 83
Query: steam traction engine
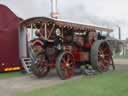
pixel 65 46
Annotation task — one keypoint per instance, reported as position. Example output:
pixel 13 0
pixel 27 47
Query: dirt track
pixel 121 64
pixel 8 87
pixel 121 61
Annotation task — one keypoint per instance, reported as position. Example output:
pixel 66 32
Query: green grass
pixel 10 75
pixel 107 84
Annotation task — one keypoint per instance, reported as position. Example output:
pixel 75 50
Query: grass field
pixel 10 75
pixel 107 84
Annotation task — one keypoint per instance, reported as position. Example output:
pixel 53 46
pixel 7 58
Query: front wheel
pixel 40 68
pixel 65 65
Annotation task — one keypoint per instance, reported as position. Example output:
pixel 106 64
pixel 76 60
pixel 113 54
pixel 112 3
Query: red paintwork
pixel 9 51
pixel 37 42
pixel 80 56
pixel 87 45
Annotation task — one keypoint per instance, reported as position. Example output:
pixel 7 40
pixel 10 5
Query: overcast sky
pixel 100 12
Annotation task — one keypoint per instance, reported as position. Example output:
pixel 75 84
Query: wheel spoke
pixel 107 55
pixel 105 68
pixel 68 58
pixel 103 64
pixel 65 73
pixel 107 61
pixel 100 51
pixel 63 60
pixel 106 50
pixel 63 66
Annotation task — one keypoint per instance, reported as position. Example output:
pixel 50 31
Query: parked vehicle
pixel 66 46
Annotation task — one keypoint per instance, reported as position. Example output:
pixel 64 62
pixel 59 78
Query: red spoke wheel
pixel 40 68
pixel 65 65
pixel 101 56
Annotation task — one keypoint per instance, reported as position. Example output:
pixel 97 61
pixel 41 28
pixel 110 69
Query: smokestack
pixel 54 9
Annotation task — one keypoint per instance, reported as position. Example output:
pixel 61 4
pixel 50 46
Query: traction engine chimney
pixel 54 9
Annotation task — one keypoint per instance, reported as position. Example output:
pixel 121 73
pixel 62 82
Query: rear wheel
pixel 65 65
pixel 101 56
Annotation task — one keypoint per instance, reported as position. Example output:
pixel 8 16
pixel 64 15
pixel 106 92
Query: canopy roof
pixel 64 24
